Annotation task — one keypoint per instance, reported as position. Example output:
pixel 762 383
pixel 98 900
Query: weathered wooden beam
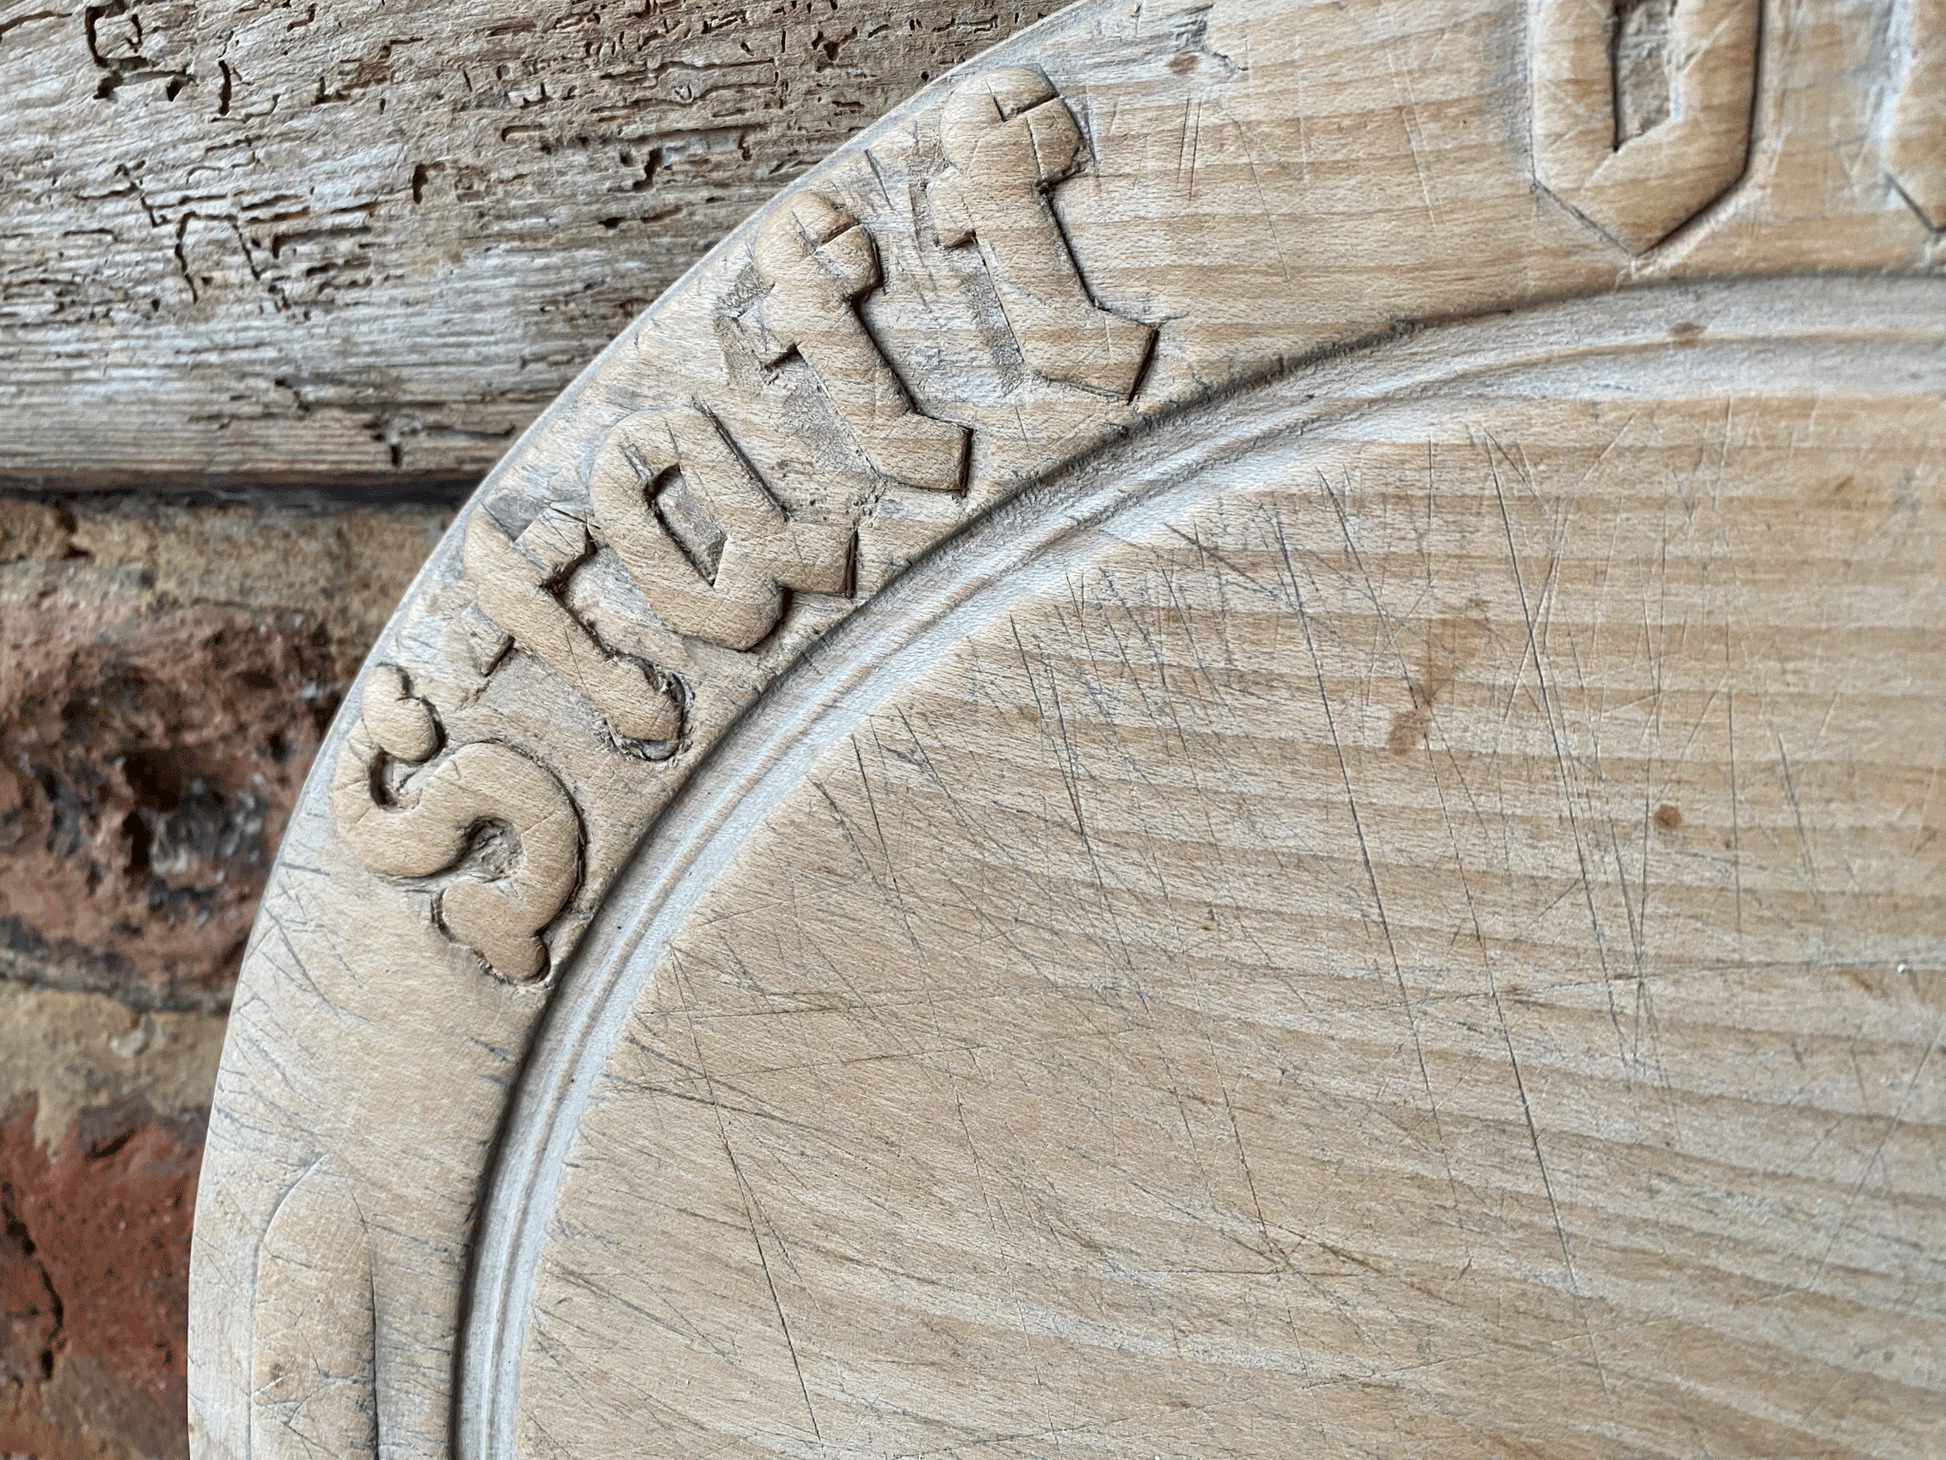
pixel 359 242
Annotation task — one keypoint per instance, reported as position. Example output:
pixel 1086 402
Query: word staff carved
pixel 431 821
pixel 719 566
pixel 1642 112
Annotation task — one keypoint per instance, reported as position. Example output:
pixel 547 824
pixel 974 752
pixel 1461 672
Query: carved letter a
pixel 764 549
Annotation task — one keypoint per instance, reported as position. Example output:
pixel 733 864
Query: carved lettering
pixel 1915 144
pixel 438 816
pixel 1642 108
pixel 818 262
pixel 764 550
pixel 514 581
pixel 1010 139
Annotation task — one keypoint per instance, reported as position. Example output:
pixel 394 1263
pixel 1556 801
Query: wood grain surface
pixel 1225 747
pixel 1432 952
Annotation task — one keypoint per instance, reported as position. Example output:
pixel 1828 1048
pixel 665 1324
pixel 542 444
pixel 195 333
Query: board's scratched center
pixel 1229 746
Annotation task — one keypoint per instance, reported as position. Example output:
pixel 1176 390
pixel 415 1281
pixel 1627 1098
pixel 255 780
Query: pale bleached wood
pixel 1433 951
pixel 1701 76
pixel 1325 625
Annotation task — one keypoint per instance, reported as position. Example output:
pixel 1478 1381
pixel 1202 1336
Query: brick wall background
pixel 166 670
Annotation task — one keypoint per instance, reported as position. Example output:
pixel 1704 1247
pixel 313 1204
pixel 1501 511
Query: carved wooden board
pixel 1230 747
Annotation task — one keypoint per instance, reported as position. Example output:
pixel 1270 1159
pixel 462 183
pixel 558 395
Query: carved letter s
pixel 500 918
